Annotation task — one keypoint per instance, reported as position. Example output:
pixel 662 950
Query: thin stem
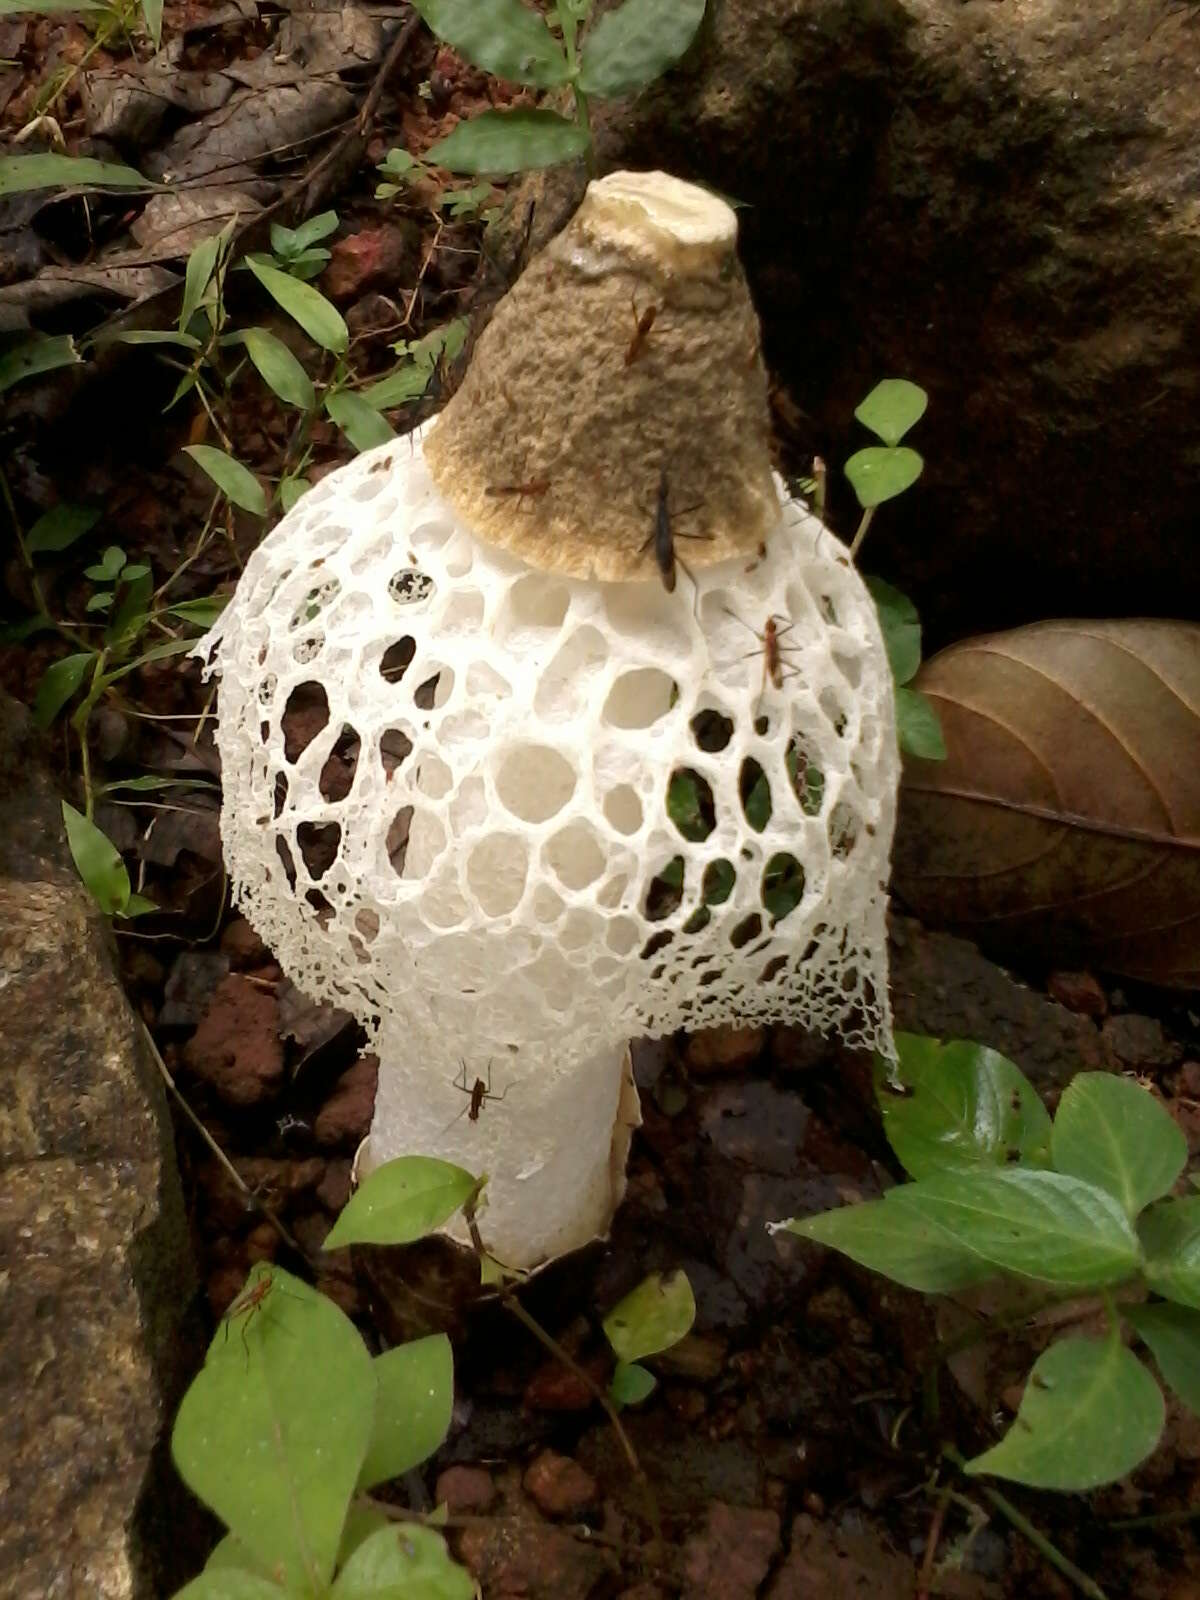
pixel 1159 1519
pixel 550 1343
pixel 862 531
pixel 1086 1586
pixel 931 1544
pixel 251 1198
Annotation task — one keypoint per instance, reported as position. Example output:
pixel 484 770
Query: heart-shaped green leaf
pixel 1090 1414
pixel 957 1107
pixel 412 1411
pixel 631 1384
pixel 652 1317
pixel 880 473
pixel 918 727
pixel 1112 1133
pixel 400 1562
pixel 401 1201
pixel 891 409
pixel 273 1431
pixel 900 626
pixel 1170 1234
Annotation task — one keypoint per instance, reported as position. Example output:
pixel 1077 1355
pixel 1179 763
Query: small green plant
pixel 286 1430
pixel 401 171
pixel 882 471
pixel 621 52
pixel 1080 1208
pixel 650 1319
pixel 917 725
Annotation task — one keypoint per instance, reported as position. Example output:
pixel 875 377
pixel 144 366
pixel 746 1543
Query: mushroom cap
pixel 622 372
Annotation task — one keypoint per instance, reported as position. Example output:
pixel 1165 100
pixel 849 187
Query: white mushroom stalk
pixel 494 788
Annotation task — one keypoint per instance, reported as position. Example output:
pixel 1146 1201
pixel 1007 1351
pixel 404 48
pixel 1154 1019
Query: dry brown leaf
pixel 1065 822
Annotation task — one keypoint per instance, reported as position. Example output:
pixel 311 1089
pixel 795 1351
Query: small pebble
pixel 724 1049
pixel 558 1486
pixel 1079 992
pixel 465 1491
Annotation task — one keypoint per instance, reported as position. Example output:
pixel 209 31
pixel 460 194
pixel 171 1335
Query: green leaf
pixel 891 409
pixel 59 683
pixel 129 617
pixel 202 612
pixel 152 11
pixel 405 1562
pixel 43 353
pixel 137 906
pixel 900 626
pixel 21 173
pixel 358 420
pixel 510 141
pixel 230 1554
pixel 200 266
pixel 186 341
pixel 1090 1414
pixel 967 1108
pixel 631 46
pixel 412 1412
pixel 503 37
pixel 234 480
pixel 362 1520
pixel 1112 1133
pixel 295 241
pixel 652 1317
pixel 918 727
pixel 100 602
pixel 134 570
pixel 277 366
pixel 291 490
pixel 905 1248
pixel 321 321
pixel 1040 1225
pixel 108 568
pixel 147 783
pixel 1173 1334
pixel 59 528
pixel 272 1432
pixel 98 861
pixel 879 473
pixel 631 1384
pixel 229 1583
pixel 401 1201
pixel 1170 1235
pixel 17 8
pixel 408 382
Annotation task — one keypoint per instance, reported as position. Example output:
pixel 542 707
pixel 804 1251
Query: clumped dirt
pixel 787 1445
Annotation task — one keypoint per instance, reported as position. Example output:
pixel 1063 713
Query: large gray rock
pixel 998 201
pixel 95 1269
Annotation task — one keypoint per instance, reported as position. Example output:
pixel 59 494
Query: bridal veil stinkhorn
pixel 496 789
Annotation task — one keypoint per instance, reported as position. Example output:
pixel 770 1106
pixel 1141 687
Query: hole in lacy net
pixel 496 872
pixel 755 794
pixel 690 804
pixel 639 699
pixel 534 602
pixel 285 855
pixel 656 942
pixel 410 586
pixel 435 691
pixel 775 968
pixel 833 709
pixel 782 885
pixel 281 791
pixel 574 855
pixel 717 884
pixel 367 923
pixel 534 782
pixel 808 782
pixel 623 808
pixel 664 894
pixel 314 602
pixel 321 906
pixel 337 775
pixel 397 659
pixel 394 747
pixel 304 716
pixel 318 845
pixel 712 730
pixel 699 919
pixel 748 928
pixel 396 843
pixel 843 830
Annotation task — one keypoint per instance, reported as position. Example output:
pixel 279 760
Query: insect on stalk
pixel 533 489
pixel 476 1093
pixel 642 323
pixel 772 651
pixel 661 538
pixel 249 1303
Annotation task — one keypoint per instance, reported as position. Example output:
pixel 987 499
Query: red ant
pixel 642 323
pixel 476 1094
pixel 534 488
pixel 772 651
pixel 662 537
